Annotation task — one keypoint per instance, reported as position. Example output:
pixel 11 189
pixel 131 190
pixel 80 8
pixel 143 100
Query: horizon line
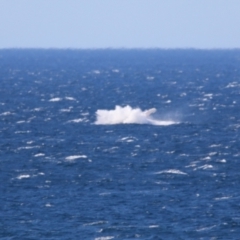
pixel 116 48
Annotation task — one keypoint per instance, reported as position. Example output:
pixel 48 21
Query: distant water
pixel 119 144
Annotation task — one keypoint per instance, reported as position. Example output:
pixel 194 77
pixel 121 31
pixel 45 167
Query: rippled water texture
pixel 119 144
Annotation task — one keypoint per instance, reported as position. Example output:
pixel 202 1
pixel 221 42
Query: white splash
pixel 128 115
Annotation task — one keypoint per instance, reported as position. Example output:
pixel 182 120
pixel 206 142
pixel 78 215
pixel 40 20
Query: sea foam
pixel 128 115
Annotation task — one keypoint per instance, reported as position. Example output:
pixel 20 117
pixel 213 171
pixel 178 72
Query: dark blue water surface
pixel 64 177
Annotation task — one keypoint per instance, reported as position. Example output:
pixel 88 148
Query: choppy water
pixel 72 166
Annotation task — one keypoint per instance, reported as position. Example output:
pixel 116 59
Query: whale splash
pixel 129 115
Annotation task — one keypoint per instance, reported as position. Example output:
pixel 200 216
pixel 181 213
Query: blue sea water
pixel 75 166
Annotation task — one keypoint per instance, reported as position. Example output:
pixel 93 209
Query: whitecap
pixel 192 164
pixel 19 122
pixel 213 153
pixel 232 85
pixel 215 145
pixel 23 176
pixel 210 95
pixel 94 223
pixel 39 155
pixel 112 149
pixel 85 114
pixel 222 198
pixel 55 99
pixel 28 147
pixel 48 205
pixel 70 98
pixel 5 114
pixel 78 120
pixel 65 110
pixel 153 226
pixel 205 228
pixel 128 139
pixel 173 171
pixel 150 78
pixel 206 166
pixel 104 238
pixel 74 157
pixel 96 71
pixel 20 132
pixel 222 161
pixel 37 109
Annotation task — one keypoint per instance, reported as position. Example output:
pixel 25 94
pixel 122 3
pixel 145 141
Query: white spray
pixel 127 115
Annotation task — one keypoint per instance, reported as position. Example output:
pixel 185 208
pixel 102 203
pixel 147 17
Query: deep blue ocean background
pixel 64 177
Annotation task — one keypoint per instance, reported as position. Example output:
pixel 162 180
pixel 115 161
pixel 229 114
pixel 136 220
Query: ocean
pixel 119 144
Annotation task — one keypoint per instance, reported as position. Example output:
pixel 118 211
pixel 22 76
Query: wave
pixel 129 115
